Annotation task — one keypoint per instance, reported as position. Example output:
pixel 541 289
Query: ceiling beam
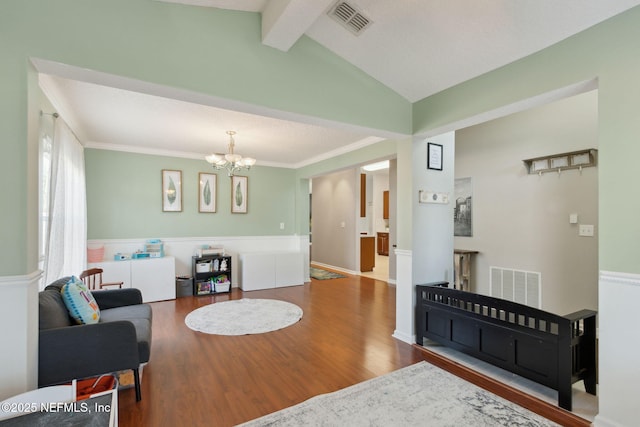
pixel 285 21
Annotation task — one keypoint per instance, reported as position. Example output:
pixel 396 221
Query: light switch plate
pixel 585 230
pixel 434 197
pixel 573 218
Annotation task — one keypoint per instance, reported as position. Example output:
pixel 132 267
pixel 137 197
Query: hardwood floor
pixel 193 378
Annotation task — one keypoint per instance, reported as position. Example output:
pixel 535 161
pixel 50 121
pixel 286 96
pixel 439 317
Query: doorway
pixel 339 220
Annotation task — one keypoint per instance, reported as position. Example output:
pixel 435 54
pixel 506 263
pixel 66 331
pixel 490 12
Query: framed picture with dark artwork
pixel 434 156
pixel 239 194
pixel 171 190
pixel 463 212
pixel 207 192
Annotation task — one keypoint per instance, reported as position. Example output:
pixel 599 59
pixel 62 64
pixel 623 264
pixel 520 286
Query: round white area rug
pixel 244 316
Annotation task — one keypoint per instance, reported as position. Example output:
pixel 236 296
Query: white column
pixel 19 334
pixel 405 299
pixel 303 247
pixel 619 349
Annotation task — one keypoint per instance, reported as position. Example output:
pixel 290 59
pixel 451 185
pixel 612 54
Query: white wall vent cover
pixel 524 287
pixel 349 17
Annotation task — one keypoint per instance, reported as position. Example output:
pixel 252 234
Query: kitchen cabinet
pixel 363 195
pixel 367 253
pixel 385 205
pixel 383 243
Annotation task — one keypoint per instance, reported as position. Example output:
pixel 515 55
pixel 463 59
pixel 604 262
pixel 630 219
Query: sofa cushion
pixel 53 312
pixel 143 335
pixel 128 312
pixel 58 284
pixel 141 317
pixel 80 303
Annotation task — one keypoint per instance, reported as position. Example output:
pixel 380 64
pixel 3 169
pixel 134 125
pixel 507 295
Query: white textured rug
pixel 243 316
pixel 418 395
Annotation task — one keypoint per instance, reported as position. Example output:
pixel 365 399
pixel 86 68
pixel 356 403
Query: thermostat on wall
pixel 433 197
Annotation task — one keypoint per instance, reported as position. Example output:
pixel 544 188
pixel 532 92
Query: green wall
pixel 381 150
pixel 124 199
pixel 219 53
pixel 608 52
pixel 209 51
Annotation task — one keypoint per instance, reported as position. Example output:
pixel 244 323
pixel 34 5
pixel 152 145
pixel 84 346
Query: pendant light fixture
pixel 231 161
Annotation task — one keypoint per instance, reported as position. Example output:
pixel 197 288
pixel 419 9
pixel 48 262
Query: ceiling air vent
pixel 349 17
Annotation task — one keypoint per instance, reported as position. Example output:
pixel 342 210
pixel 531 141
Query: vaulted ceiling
pixel 416 48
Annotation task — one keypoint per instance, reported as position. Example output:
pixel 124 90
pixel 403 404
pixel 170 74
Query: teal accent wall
pixel 125 201
pixel 608 52
pixel 209 51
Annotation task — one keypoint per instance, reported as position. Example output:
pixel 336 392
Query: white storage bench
pixel 268 270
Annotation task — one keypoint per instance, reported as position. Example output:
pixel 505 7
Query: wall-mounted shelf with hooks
pixel 559 162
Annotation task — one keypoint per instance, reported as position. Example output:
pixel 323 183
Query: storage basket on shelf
pixel 95 254
pixel 203 266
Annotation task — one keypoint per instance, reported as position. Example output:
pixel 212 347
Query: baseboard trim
pixel 540 407
pixel 333 267
pixel 404 337
pixel 600 421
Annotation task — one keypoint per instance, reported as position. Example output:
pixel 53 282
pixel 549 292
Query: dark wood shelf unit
pixel 217 277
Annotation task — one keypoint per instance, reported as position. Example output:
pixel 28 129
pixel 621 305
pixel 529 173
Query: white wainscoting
pixel 184 248
pixel 619 349
pixel 19 320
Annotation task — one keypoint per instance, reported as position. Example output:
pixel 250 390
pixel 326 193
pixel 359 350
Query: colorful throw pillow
pixel 80 303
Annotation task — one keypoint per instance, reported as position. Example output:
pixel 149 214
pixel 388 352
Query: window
pixel 44 190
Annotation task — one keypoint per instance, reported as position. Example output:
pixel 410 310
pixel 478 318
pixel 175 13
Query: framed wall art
pixel 434 156
pixel 207 192
pixel 171 190
pixel 239 194
pixel 462 212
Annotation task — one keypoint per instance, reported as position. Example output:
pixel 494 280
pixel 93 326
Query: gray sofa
pixel 120 341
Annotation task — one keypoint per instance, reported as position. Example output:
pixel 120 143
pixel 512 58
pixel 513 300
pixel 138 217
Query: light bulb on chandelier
pixel 231 162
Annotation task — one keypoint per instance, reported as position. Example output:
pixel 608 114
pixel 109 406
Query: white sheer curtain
pixel 66 252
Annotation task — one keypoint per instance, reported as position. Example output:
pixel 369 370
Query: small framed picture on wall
pixel 239 194
pixel 207 189
pixel 171 190
pixel 434 156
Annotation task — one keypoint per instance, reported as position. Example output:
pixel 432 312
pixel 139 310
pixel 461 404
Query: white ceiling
pixel 416 48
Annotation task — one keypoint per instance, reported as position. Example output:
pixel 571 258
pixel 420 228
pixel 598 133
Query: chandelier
pixel 231 162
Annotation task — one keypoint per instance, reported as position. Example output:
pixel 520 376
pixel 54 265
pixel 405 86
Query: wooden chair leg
pixel 136 380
